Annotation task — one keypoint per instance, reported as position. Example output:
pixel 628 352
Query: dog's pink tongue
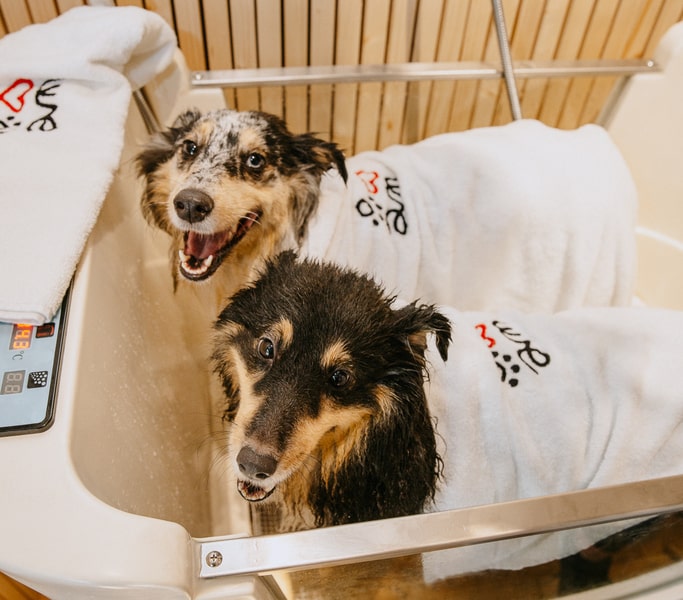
pixel 203 246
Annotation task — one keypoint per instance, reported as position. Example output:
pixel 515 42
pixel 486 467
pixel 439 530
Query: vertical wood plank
pixel 672 12
pixel 42 10
pixel 490 91
pixel 479 21
pixel 218 40
pixel 217 35
pixel 347 52
pixel 376 18
pixel 450 47
pixel 624 25
pixel 592 47
pixel 427 30
pixel 323 14
pixel 550 30
pixel 269 20
pixel 523 38
pixel 164 8
pixel 15 14
pixel 296 31
pixel 136 3
pixel 244 51
pixel 638 41
pixel 190 33
pixel 64 5
pixel 573 31
pixel 403 13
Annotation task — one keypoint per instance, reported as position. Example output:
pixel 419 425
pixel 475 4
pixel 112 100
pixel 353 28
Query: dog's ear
pixel 223 365
pixel 415 322
pixel 319 155
pixel 161 145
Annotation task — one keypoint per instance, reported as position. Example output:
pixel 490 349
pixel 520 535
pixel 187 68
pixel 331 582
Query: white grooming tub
pixel 124 496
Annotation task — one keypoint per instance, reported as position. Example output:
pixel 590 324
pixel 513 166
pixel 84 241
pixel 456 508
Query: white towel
pixel 521 216
pixel 65 88
pixel 534 405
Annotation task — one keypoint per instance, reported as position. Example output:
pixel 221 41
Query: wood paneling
pixel 225 34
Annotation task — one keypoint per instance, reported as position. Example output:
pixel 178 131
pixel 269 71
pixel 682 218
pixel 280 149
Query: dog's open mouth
pixel 203 253
pixel 252 492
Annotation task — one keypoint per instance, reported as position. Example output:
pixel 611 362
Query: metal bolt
pixel 214 558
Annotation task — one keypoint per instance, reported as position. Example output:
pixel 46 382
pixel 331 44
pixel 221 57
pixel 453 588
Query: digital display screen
pixel 21 337
pixel 12 382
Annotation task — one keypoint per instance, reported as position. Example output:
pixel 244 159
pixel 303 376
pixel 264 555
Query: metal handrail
pixel 415 534
pixel 416 71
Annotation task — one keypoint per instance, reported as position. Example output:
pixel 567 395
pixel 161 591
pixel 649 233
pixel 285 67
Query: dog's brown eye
pixel 266 348
pixel 190 149
pixel 255 161
pixel 340 378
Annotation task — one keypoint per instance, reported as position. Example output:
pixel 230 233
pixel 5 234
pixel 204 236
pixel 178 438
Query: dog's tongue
pixel 202 246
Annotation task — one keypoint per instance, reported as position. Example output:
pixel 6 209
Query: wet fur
pixel 360 451
pixel 214 154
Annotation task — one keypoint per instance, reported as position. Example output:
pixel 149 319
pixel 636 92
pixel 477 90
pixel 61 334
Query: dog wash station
pixel 113 483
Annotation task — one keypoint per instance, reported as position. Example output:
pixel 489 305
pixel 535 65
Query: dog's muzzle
pixel 257 469
pixel 203 252
pixel 192 205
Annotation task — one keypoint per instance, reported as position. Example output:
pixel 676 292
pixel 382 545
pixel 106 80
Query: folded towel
pixel 521 216
pixel 65 88
pixel 534 405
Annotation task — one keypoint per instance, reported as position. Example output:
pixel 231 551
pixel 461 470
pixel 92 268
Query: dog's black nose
pixel 192 205
pixel 255 465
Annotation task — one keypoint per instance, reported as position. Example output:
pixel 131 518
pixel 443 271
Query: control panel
pixel 30 356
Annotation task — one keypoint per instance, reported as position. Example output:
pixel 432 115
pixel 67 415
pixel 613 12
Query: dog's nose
pixel 255 465
pixel 192 205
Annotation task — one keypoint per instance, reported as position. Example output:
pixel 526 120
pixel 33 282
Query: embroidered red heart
pixel 13 96
pixel 490 342
pixel 369 178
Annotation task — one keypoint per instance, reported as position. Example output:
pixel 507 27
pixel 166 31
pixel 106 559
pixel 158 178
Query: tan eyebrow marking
pixel 335 354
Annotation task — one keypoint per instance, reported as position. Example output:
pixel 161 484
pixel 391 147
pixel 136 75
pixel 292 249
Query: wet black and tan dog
pixel 326 405
pixel 345 404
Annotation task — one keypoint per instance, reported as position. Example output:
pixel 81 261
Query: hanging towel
pixel 520 216
pixel 65 88
pixel 528 406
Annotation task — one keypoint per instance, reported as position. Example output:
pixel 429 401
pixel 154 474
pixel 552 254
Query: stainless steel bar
pixel 437 531
pixel 148 115
pixel 345 74
pixel 506 59
pixel 416 72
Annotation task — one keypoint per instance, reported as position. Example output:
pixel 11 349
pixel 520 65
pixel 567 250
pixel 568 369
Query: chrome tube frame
pixel 465 70
pixel 506 59
pixel 437 531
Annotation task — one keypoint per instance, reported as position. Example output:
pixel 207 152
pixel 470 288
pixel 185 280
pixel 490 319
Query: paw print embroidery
pixel 383 204
pixel 510 364
pixel 505 364
pixel 30 108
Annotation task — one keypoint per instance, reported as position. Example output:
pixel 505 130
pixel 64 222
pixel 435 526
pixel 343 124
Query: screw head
pixel 214 558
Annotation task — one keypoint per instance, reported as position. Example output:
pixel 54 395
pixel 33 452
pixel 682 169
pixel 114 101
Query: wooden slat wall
pixel 224 34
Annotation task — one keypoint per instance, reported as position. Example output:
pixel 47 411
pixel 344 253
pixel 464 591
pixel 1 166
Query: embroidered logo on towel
pixel 512 352
pixel 28 106
pixel 383 203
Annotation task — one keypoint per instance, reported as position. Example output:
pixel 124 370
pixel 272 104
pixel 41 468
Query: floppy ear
pixel 223 365
pixel 161 145
pixel 318 155
pixel 416 322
